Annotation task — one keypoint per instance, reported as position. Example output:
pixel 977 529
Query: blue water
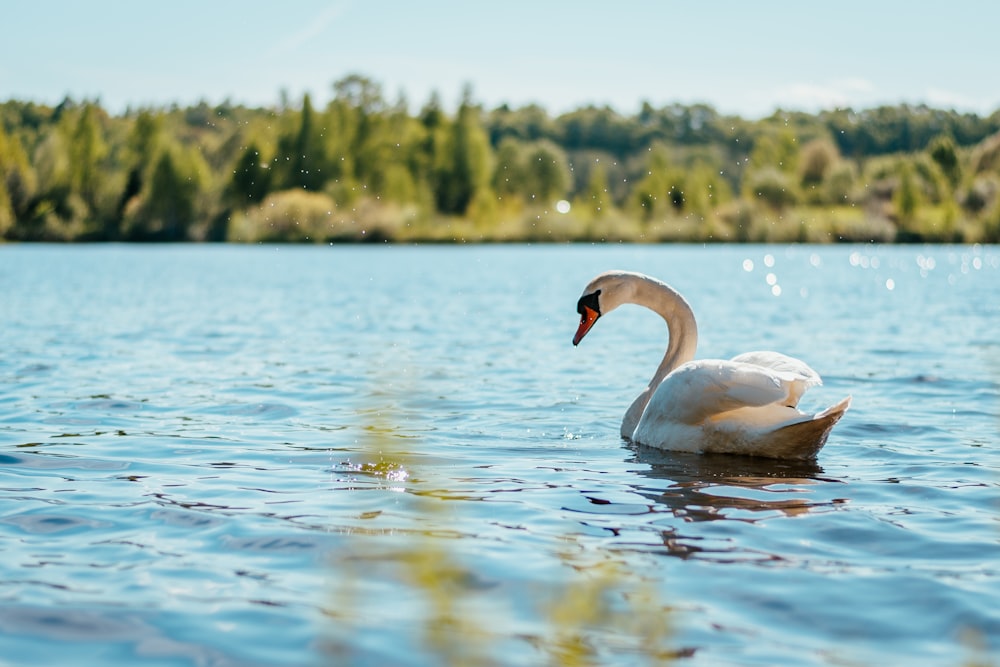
pixel 219 455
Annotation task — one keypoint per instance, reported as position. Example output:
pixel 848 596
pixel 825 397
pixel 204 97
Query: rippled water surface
pixel 394 455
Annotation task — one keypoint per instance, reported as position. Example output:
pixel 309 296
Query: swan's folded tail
pixel 802 440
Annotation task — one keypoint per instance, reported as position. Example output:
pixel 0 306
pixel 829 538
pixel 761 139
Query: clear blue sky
pixel 741 57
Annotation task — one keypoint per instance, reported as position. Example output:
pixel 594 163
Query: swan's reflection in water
pixel 702 488
pixel 706 487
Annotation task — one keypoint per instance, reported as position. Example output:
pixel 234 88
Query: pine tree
pixel 251 179
pixel 87 152
pixel 466 171
pixel 171 202
pixel 307 159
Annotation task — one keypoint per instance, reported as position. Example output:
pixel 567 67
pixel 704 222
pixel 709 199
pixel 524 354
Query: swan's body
pixel 744 405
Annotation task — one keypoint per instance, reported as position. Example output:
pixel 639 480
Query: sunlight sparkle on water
pixel 562 206
pixel 926 264
pixel 748 265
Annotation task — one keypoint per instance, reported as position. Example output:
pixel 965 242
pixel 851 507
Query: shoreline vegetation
pixel 363 169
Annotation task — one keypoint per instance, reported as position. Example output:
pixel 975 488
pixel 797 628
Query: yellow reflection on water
pixel 416 584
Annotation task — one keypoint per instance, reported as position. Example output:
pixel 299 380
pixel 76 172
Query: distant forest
pixel 367 169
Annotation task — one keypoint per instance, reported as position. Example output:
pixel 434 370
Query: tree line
pixel 364 168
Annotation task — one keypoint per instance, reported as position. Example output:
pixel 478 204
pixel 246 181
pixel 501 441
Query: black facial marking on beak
pixel 589 301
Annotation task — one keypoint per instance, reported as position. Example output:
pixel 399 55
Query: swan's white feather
pixel 699 390
pixel 798 374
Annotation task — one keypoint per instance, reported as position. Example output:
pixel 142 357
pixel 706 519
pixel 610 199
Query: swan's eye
pixel 589 301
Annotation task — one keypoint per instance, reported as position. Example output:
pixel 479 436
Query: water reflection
pixel 708 488
pixel 107 635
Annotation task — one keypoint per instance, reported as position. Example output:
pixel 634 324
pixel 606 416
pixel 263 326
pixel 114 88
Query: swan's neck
pixel 671 306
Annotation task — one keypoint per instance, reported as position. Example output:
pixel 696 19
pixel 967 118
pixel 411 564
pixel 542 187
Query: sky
pixel 746 58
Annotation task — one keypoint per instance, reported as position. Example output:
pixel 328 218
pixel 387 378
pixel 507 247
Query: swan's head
pixel 604 293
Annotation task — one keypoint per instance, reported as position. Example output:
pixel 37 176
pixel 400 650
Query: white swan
pixel 746 405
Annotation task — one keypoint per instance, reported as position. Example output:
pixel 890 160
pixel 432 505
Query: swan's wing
pixel 792 370
pixel 781 363
pixel 699 390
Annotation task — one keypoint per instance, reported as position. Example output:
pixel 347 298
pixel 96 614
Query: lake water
pixel 223 455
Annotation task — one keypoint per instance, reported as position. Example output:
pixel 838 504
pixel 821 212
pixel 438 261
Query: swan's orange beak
pixel 587 318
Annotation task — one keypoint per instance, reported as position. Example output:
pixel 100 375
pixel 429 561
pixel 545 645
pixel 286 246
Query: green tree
pixel 299 159
pixel 87 152
pixel 772 170
pixel 596 198
pixel 647 192
pixel 361 93
pixel 661 191
pixel 142 148
pixel 339 138
pixel 307 159
pixel 54 200
pixel 778 150
pixel 773 187
pixel 598 128
pixel 546 172
pixel 406 163
pixel 361 115
pixel 509 177
pixel 17 181
pixel 839 183
pixel 942 150
pixel 704 189
pixel 906 197
pixel 251 180
pixel 389 158
pixel 170 205
pixel 433 153
pixel 530 123
pixel 464 172
pixel 817 159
